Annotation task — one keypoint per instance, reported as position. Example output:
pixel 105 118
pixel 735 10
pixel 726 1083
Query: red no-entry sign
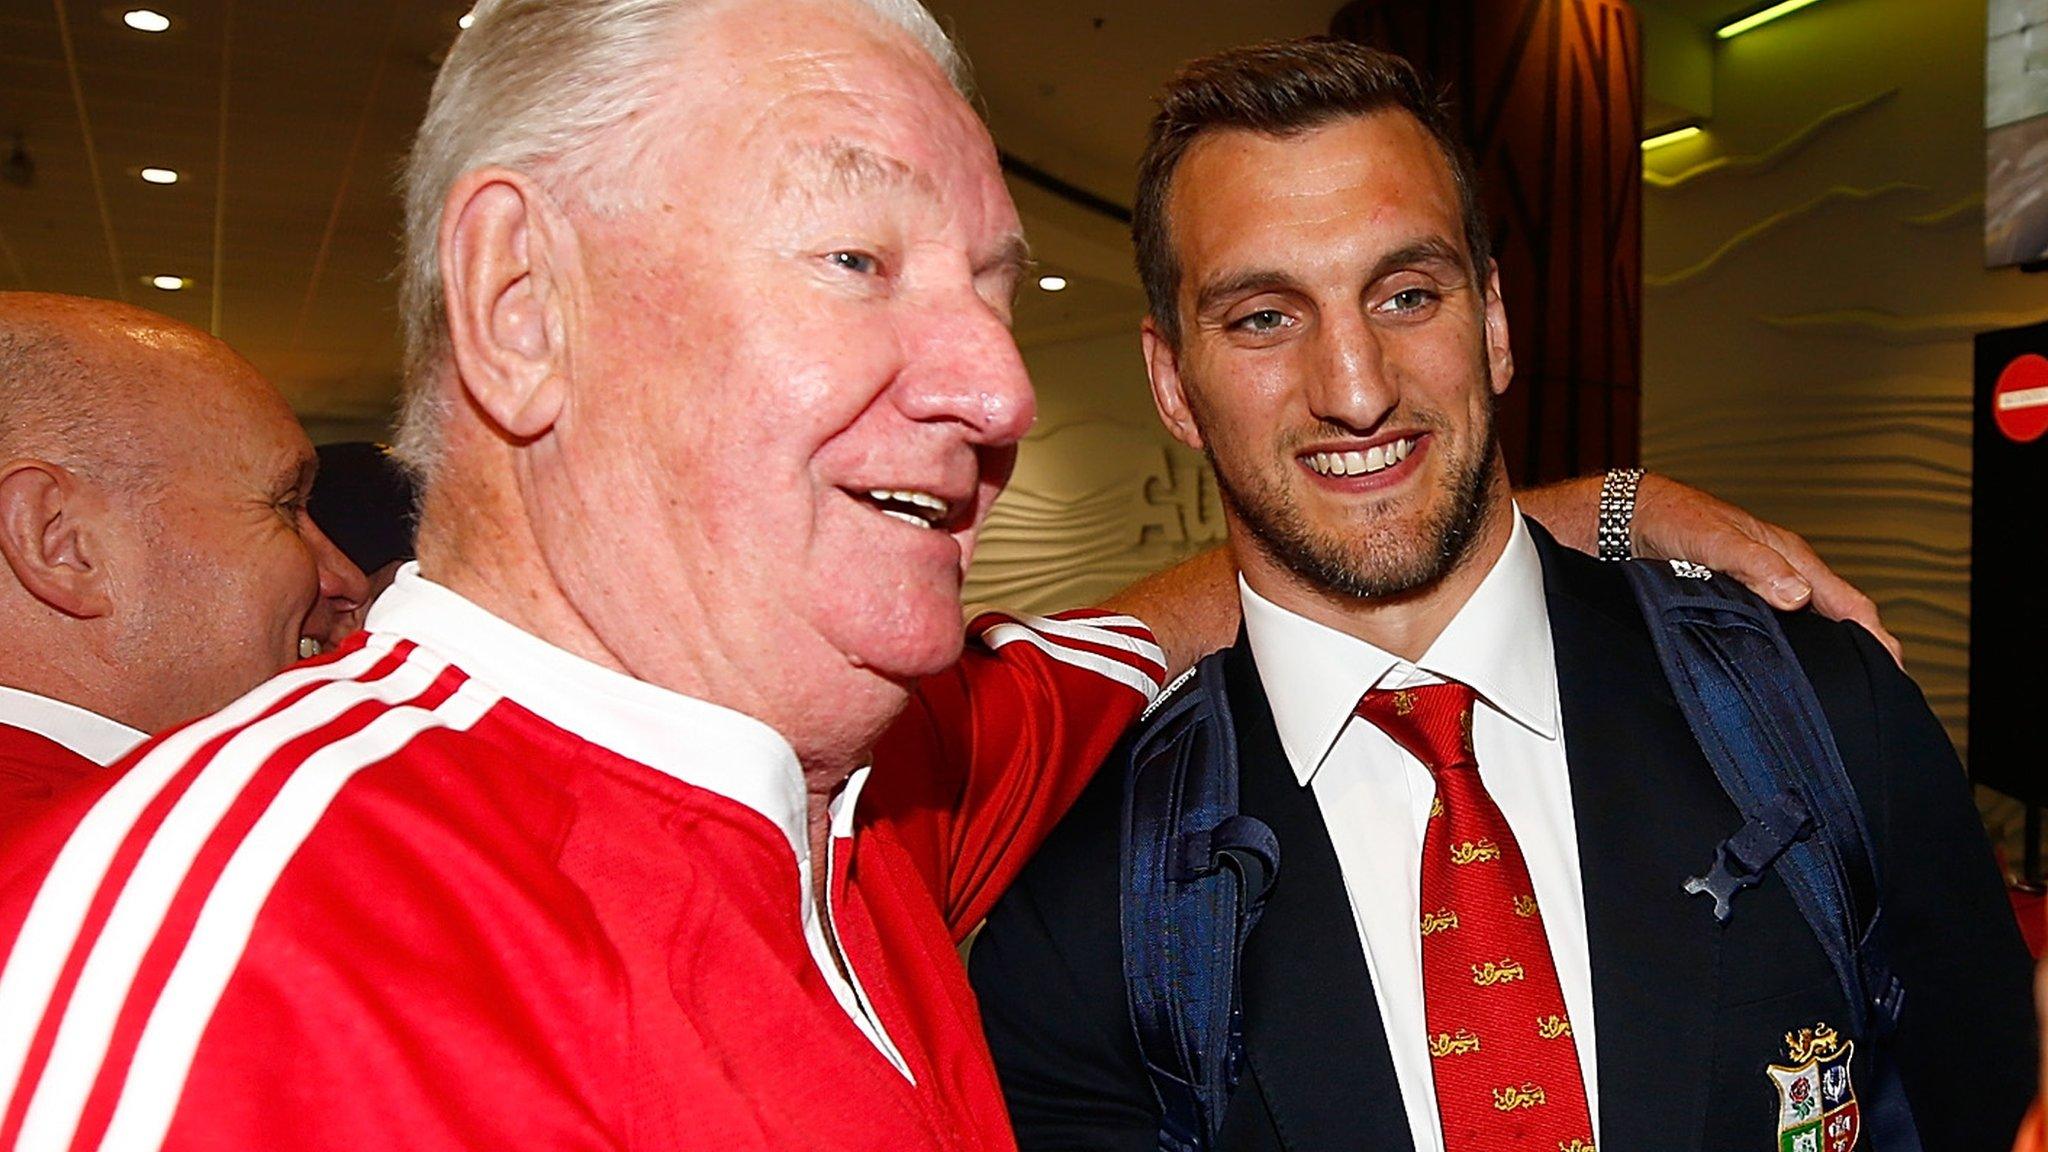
pixel 2019 401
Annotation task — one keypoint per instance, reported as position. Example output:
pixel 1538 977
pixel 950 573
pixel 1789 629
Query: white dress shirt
pixel 1375 797
pixel 87 733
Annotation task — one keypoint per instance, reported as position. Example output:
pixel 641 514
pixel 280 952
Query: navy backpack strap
pixel 1195 877
pixel 1756 717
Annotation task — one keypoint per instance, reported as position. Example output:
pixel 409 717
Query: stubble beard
pixel 1382 561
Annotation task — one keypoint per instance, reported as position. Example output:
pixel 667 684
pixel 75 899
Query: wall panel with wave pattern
pixel 1102 495
pixel 1815 277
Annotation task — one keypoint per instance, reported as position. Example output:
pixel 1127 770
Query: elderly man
pixel 153 519
pixel 1480 937
pixel 711 389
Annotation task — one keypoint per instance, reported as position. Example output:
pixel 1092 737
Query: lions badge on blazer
pixel 1817 1109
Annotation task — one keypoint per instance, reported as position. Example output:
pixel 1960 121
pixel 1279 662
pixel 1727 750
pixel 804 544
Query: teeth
pixel 920 508
pixel 1375 459
pixel 902 496
pixel 308 647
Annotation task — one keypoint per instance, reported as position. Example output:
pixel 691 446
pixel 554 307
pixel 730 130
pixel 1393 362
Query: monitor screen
pixel 2016 133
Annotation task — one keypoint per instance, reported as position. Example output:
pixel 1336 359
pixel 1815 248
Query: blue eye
pixel 853 261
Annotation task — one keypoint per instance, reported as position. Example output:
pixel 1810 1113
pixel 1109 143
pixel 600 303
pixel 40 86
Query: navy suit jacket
pixel 1690 1011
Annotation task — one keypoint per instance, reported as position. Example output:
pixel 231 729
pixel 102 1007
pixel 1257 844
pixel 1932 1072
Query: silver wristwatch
pixel 1617 513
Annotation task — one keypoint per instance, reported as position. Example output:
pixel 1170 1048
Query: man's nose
pixel 341 582
pixel 1352 383
pixel 965 367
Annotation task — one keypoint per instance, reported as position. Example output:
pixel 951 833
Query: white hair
pixel 535 86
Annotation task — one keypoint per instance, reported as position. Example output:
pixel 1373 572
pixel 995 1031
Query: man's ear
pixel 1500 352
pixel 48 538
pixel 509 271
pixel 1162 365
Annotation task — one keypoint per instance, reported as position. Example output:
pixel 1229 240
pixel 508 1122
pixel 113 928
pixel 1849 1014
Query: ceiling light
pixel 1676 135
pixel 159 175
pixel 468 18
pixel 1053 283
pixel 145 20
pixel 169 283
pixel 1760 17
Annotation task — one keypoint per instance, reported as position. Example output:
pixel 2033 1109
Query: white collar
pixel 697 742
pixel 1499 643
pixel 87 733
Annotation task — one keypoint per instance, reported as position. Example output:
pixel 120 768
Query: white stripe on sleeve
pixel 108 976
pixel 1096 630
pixel 50 931
pixel 163 1057
pixel 1108 667
pixel 1111 622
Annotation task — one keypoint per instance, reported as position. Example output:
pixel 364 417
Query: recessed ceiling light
pixel 468 18
pixel 169 283
pixel 1053 283
pixel 146 20
pixel 159 175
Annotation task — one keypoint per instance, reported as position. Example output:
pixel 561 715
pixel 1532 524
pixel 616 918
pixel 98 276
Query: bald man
pixel 159 559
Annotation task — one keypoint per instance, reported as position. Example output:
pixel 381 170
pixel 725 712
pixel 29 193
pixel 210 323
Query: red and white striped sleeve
pixel 992 753
pixel 153 994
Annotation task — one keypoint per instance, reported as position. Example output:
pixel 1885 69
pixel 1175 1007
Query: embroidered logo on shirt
pixel 1510 1098
pixel 1551 1027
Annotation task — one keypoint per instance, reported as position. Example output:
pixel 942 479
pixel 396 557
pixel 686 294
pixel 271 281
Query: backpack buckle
pixel 1722 882
pixel 1741 860
pixel 1886 1005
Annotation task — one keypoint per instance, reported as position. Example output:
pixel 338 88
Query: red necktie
pixel 1500 1042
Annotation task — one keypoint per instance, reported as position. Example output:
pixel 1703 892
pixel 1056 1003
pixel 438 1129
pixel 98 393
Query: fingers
pixel 1761 567
pixel 1839 600
pixel 1833 597
pixel 1791 584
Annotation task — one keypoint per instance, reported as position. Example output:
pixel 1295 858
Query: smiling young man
pixel 1479 938
pixel 153 527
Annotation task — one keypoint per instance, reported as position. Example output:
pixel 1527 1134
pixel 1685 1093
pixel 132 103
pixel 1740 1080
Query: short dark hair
pixel 1281 88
